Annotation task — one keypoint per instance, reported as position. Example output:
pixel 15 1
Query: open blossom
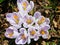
pixel 43 31
pixel 14 19
pixel 23 37
pixel 40 20
pixel 28 21
pixel 24 5
pixel 32 33
pixel 38 16
pixel 11 32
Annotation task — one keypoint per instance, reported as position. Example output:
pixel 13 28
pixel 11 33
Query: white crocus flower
pixel 24 5
pixel 41 21
pixel 28 21
pixel 43 31
pixel 11 32
pixel 33 33
pixel 14 19
pixel 23 37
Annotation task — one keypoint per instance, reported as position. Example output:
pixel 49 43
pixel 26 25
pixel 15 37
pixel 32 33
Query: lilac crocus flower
pixel 14 19
pixel 11 32
pixel 24 5
pixel 43 31
pixel 23 37
pixel 28 21
pixel 41 21
pixel 33 33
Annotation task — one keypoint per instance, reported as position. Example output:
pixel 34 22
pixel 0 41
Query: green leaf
pixel 47 7
pixel 53 43
pixel 1 1
pixel 47 43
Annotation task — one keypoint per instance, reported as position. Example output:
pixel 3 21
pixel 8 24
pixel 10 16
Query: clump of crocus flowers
pixel 25 27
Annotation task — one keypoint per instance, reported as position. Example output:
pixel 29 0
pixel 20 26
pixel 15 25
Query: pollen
pixel 42 32
pixel 16 19
pixel 10 34
pixel 29 21
pixel 41 20
pixel 23 36
pixel 32 32
pixel 24 4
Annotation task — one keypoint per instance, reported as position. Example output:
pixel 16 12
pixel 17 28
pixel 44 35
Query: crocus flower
pixel 23 37
pixel 43 31
pixel 41 21
pixel 33 33
pixel 14 19
pixel 24 5
pixel 28 21
pixel 11 32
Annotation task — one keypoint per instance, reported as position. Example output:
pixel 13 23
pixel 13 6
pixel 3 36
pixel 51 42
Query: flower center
pixel 10 34
pixel 23 36
pixel 32 32
pixel 16 18
pixel 41 20
pixel 29 21
pixel 42 32
pixel 24 5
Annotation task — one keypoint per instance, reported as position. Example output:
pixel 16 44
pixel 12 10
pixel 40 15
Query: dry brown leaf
pixel 55 23
pixel 43 43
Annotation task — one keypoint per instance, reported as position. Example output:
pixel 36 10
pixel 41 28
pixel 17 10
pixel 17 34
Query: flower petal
pixel 20 41
pixel 36 38
pixel 37 14
pixel 29 40
pixel 47 20
pixel 32 4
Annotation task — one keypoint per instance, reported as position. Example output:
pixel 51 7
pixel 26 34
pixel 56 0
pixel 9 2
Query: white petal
pixel 20 7
pixel 36 38
pixel 32 4
pixel 23 30
pixel 20 41
pixel 9 17
pixel 28 9
pixel 25 25
pixel 29 40
pixel 45 36
pixel 47 20
pixel 37 14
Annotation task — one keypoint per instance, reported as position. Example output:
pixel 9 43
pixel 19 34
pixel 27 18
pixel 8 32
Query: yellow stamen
pixel 10 35
pixel 23 36
pixel 41 20
pixel 16 18
pixel 42 32
pixel 32 32
pixel 29 21
pixel 24 5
